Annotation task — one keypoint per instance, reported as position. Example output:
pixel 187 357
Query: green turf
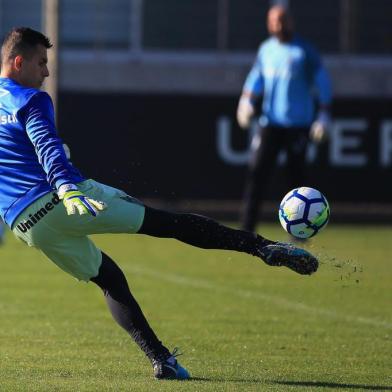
pixel 242 325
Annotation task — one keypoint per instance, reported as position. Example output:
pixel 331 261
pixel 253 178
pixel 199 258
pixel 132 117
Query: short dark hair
pixel 22 41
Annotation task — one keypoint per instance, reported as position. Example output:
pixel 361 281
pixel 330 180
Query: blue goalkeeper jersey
pixel 287 75
pixel 32 157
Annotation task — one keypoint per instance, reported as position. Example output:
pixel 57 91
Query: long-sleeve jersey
pixel 32 157
pixel 286 75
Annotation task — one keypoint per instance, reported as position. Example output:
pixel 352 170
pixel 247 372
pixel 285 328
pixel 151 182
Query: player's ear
pixel 18 61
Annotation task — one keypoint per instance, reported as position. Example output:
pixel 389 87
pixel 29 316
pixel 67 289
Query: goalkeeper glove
pixel 320 128
pixel 75 201
pixel 245 111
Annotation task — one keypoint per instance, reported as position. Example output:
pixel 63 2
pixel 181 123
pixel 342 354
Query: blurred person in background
pixel 286 74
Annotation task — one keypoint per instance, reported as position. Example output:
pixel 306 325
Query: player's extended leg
pixel 126 311
pixel 206 233
pixel 264 150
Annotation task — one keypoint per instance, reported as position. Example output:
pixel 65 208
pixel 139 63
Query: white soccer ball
pixel 303 212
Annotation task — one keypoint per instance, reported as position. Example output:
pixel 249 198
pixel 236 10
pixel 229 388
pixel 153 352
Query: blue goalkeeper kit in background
pixel 284 73
pixel 288 75
pixel 32 157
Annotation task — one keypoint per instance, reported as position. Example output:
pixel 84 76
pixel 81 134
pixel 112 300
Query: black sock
pixel 200 231
pixel 125 310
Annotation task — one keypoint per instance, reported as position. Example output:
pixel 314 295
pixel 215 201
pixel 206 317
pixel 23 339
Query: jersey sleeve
pixel 319 76
pixel 40 127
pixel 254 83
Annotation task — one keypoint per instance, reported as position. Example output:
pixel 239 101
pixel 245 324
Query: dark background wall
pixel 167 147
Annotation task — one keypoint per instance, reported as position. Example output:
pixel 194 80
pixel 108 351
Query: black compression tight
pixel 125 310
pixel 192 229
pixel 200 231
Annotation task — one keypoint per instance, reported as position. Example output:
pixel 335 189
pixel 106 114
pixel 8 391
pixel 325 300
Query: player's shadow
pixel 333 385
pixel 235 380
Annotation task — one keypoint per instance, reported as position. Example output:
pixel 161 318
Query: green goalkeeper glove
pixel 75 200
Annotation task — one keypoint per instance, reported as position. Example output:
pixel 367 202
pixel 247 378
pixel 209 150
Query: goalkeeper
pixel 50 205
pixel 285 73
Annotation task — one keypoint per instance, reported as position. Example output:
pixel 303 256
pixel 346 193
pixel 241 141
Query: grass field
pixel 243 326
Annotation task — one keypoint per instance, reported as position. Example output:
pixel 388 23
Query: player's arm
pixel 252 90
pixel 320 128
pixel 40 128
pixel 322 124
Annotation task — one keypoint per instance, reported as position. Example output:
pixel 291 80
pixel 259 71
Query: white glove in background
pixel 245 111
pixel 320 128
pixel 67 151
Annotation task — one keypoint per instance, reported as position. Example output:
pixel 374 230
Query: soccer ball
pixel 303 212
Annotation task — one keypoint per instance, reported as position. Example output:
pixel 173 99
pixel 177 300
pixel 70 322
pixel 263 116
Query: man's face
pixel 34 68
pixel 279 22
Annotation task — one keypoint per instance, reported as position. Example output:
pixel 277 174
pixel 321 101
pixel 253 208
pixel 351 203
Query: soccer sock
pixel 200 231
pixel 126 311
